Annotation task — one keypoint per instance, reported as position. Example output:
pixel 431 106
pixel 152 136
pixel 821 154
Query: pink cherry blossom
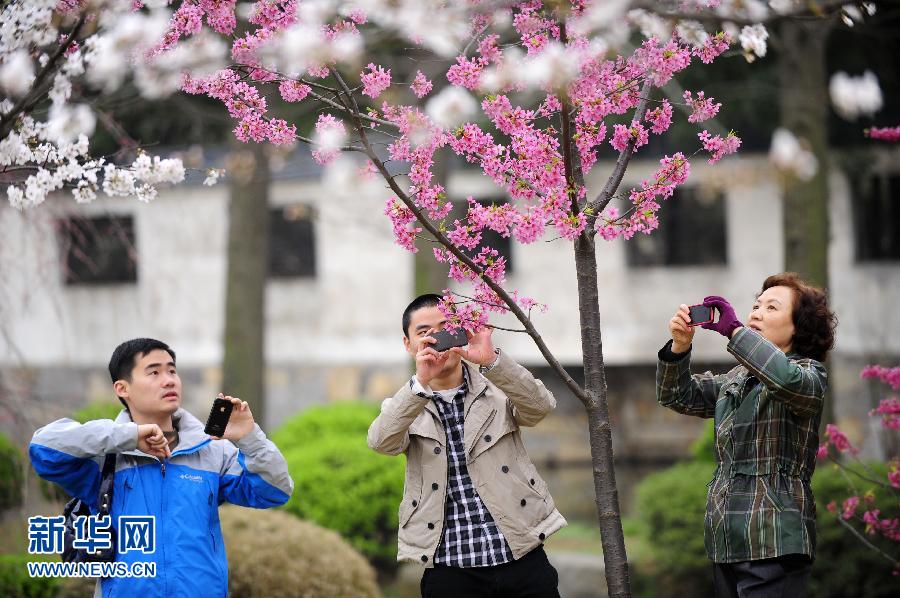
pixel 622 135
pixel 293 91
pixel 421 86
pixel 375 81
pixel 889 134
pixel 719 147
pixel 838 439
pixel 890 376
pixel 330 133
pixel 465 73
pixel 702 108
pixel 894 473
pixel 889 409
pixel 660 118
pixel 401 219
pixel 849 507
pixel 713 47
pixel 871 520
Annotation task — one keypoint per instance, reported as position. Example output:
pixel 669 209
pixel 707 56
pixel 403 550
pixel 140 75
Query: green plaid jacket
pixel 767 411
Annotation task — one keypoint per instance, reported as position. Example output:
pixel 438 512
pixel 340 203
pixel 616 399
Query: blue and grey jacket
pixel 183 493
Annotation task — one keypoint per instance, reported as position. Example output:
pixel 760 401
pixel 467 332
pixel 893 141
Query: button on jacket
pixel 182 492
pixel 767 411
pixel 496 405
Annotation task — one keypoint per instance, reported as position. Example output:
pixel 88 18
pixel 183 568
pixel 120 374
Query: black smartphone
pixel 218 417
pixel 446 340
pixel 700 314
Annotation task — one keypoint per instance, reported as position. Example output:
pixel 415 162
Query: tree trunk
pixel 605 491
pixel 243 366
pixel 804 112
pixel 430 276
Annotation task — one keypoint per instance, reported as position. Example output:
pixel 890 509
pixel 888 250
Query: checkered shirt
pixel 471 538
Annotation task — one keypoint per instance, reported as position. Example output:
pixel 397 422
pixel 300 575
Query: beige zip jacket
pixel 496 405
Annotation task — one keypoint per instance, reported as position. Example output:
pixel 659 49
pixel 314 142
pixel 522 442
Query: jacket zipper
pixel 162 503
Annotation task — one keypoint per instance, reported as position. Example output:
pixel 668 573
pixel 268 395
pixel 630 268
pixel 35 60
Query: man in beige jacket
pixel 475 512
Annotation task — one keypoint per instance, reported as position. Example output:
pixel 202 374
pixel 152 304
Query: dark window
pixel 691 232
pixel 292 242
pixel 98 250
pixel 495 240
pixel 877 218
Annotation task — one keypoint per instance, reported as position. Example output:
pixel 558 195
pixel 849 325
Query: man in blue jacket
pixel 166 467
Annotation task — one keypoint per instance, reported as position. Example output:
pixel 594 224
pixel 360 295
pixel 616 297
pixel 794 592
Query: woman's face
pixel 772 316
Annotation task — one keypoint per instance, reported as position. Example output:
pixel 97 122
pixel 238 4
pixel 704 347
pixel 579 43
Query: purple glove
pixel 727 321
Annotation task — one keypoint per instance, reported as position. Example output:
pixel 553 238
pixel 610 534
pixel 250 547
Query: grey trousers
pixel 780 577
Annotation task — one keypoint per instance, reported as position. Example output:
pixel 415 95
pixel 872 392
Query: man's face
pixel 423 322
pixel 155 388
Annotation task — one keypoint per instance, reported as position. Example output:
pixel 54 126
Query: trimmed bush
pixel 273 554
pixel 16 583
pixel 12 476
pixel 670 510
pixel 704 448
pixel 340 482
pixel 98 410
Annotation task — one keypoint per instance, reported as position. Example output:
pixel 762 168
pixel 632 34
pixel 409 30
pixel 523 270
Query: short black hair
pixel 122 361
pixel 426 300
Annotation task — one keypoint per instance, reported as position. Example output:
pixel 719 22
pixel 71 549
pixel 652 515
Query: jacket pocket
pixel 409 506
pixel 772 496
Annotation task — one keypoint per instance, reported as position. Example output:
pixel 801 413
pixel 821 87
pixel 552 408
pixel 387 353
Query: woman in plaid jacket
pixel 760 527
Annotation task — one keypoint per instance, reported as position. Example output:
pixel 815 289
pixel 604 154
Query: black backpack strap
pixel 107 481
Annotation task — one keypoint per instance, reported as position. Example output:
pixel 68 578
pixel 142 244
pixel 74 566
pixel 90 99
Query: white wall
pixel 636 302
pixel 349 312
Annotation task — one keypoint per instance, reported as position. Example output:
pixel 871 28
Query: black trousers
pixel 780 577
pixel 531 576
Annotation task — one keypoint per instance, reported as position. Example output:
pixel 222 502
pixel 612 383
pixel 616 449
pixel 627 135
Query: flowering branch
pixel 816 9
pixel 460 255
pixel 865 541
pixel 31 99
pixel 615 178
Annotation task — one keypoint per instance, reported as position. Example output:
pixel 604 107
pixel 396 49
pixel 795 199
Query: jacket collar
pixel 476 385
pixel 191 436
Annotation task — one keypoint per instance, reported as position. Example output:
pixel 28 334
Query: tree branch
pixel 865 541
pixel 615 179
pixel 32 99
pixel 817 10
pixel 443 240
pixel 566 125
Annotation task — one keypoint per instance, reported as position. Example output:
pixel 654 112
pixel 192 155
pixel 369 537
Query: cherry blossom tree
pixel 551 83
pixel 532 92
pixel 867 510
pixel 57 57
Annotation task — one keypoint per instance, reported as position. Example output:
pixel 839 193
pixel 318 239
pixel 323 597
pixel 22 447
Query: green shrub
pixel 844 566
pixel 98 410
pixel 273 554
pixel 16 583
pixel 670 510
pixel 704 448
pixel 340 482
pixel 12 475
